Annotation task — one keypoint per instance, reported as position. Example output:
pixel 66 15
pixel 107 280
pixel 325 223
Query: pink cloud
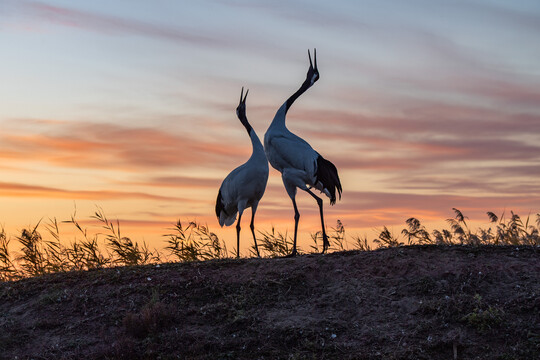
pixel 422 136
pixel 70 17
pixel 36 191
pixel 93 145
pixel 185 182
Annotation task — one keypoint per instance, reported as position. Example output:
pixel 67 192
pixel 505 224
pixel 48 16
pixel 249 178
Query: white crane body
pixel 244 186
pixel 301 167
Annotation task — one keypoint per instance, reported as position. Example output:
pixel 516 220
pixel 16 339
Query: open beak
pixel 243 101
pixel 314 58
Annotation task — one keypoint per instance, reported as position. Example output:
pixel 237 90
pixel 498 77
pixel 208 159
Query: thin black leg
pixel 326 243
pixel 252 226
pixel 238 235
pixel 296 219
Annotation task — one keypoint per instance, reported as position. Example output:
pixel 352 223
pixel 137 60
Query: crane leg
pixel 296 219
pixel 290 186
pixel 252 226
pixel 238 234
pixel 326 243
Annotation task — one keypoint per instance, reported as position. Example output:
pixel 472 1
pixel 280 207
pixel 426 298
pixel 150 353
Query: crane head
pixel 241 109
pixel 313 72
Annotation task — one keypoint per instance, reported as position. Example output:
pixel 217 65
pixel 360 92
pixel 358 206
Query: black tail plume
pixel 219 204
pixel 328 176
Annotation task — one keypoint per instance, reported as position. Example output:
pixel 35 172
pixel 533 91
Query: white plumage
pixel 244 186
pixel 300 166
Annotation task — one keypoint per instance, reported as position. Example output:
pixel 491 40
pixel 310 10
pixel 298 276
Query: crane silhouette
pixel 301 166
pixel 244 186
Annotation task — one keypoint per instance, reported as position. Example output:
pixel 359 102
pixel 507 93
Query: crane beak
pixel 314 59
pixel 242 97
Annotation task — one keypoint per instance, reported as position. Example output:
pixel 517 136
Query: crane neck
pixel 258 148
pixel 243 119
pixel 279 118
pixel 305 85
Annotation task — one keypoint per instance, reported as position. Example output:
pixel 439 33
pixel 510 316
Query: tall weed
pixel 195 242
pixel 274 243
pixel 7 268
pixel 126 251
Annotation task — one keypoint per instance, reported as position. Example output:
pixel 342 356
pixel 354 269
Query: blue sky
pixel 422 105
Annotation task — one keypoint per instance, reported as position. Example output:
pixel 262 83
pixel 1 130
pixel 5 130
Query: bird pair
pixel 300 166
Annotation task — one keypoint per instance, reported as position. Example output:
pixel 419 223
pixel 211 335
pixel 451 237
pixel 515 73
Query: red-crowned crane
pixel 300 166
pixel 244 186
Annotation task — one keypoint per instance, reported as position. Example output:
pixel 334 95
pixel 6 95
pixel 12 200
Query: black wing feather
pixel 327 174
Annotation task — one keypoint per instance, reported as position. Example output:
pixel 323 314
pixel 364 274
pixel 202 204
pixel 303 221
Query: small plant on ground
pixel 154 317
pixel 127 252
pixel 336 238
pixel 86 253
pixel 7 269
pixel 387 239
pixel 484 317
pixel 416 232
pixel 32 260
pixel 195 242
pixel 274 243
pixel 361 243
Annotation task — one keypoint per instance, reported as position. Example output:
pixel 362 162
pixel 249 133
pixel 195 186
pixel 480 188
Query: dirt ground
pixel 420 302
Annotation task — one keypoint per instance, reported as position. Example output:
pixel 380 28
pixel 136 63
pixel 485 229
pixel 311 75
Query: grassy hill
pixel 418 302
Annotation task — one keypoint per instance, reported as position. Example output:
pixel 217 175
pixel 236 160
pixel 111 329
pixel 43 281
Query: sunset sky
pixel 130 105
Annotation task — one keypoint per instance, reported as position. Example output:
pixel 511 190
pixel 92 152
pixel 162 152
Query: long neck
pixel 243 119
pixel 279 118
pixel 305 85
pixel 258 149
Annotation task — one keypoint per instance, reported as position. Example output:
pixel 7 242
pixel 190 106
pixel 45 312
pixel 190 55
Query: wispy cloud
pixel 505 16
pixel 185 182
pixel 36 191
pixel 103 23
pixel 93 145
pixel 443 133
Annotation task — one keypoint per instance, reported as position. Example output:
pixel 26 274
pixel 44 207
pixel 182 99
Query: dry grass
pixel 195 242
pixel 39 255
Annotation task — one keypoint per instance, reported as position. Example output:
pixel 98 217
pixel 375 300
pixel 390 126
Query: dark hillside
pixel 420 302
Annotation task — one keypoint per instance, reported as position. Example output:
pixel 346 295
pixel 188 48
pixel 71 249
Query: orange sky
pixel 131 108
